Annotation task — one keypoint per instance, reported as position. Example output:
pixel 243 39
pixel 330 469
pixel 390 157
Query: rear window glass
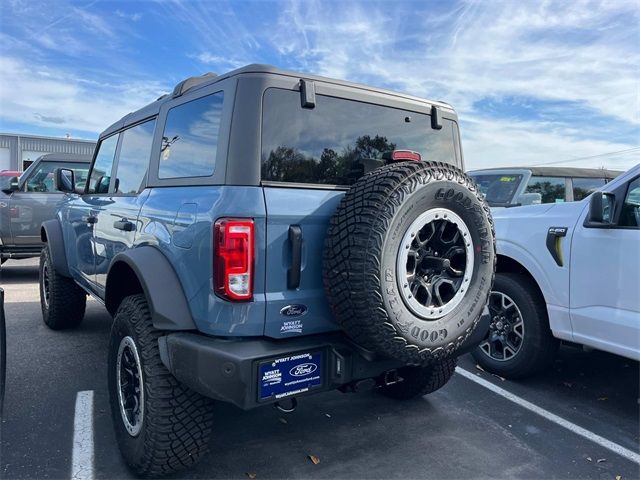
pixel 583 187
pixel 551 189
pixel 190 138
pixel 498 189
pixel 326 144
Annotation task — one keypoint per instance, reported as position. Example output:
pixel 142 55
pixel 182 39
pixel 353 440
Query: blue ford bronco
pixel 265 235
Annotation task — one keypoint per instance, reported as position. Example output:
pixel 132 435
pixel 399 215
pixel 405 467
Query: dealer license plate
pixel 289 376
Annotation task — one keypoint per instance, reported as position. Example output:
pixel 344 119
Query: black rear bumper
pixel 228 369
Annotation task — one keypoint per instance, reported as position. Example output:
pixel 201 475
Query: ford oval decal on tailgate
pixel 293 310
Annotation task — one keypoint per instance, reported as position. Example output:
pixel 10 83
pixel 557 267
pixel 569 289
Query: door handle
pixel 124 225
pixel 295 241
pixel 90 219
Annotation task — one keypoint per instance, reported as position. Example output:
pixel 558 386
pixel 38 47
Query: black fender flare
pixel 160 284
pixel 51 235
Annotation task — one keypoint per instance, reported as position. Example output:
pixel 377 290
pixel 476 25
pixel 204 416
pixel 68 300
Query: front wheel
pixel 62 301
pixel 519 342
pixel 161 425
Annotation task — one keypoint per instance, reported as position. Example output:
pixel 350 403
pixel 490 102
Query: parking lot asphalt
pixel 465 430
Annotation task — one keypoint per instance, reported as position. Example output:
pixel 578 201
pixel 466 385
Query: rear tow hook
pixel 293 403
pixel 390 378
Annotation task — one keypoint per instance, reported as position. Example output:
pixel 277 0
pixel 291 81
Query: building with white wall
pixel 18 151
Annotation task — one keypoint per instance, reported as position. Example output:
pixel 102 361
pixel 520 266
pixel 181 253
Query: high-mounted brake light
pixel 402 155
pixel 233 260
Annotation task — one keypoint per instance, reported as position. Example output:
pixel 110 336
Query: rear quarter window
pixel 190 138
pixel 326 144
pixel 583 187
pixel 551 189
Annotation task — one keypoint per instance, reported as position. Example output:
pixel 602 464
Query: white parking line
pixel 603 442
pixel 82 455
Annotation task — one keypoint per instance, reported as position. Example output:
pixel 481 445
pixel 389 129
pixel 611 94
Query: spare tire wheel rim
pixel 506 329
pixel 435 263
pixel 130 386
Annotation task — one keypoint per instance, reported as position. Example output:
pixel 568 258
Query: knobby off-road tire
pixel 169 425
pixel 521 323
pixel 62 301
pixel 370 290
pixel 421 381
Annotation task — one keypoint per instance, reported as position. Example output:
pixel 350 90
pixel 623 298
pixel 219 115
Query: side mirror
pixel 531 198
pixel 65 180
pixel 14 186
pixel 601 206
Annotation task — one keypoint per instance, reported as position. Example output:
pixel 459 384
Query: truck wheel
pixel 519 342
pixel 420 381
pixel 62 301
pixel 409 260
pixel 161 425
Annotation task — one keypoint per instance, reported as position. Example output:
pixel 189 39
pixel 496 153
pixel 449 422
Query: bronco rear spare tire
pixel 409 260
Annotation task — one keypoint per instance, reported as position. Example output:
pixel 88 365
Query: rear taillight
pixel 233 260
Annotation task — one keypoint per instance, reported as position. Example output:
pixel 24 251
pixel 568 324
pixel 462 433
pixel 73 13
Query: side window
pixel 133 159
pixel 551 189
pixel 101 170
pixel 41 180
pixel 190 138
pixel 630 215
pixel 583 187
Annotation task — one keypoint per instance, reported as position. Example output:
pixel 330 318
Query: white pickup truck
pixel 566 271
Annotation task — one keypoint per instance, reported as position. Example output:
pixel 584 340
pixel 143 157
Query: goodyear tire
pixel 161 425
pixel 409 260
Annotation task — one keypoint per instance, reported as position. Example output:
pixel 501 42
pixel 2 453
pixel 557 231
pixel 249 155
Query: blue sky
pixel 534 82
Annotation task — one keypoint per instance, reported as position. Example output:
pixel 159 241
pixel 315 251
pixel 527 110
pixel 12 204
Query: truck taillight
pixel 233 260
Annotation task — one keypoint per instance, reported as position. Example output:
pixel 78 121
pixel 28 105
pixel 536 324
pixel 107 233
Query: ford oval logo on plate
pixel 303 370
pixel 293 310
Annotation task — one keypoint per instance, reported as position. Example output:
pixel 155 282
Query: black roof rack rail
pixel 191 82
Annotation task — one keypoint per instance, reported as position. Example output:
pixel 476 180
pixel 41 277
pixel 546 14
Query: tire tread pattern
pixel 353 249
pixel 67 301
pixel 178 420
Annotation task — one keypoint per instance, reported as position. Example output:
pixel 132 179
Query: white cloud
pixel 134 17
pixel 574 52
pixel 208 58
pixel 51 97
pixel 504 143
pixel 574 63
